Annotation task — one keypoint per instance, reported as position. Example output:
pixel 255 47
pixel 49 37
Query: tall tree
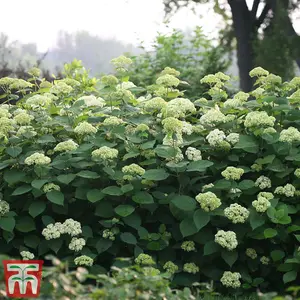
pixel 247 22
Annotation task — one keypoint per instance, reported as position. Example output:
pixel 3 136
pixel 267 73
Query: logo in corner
pixel 23 278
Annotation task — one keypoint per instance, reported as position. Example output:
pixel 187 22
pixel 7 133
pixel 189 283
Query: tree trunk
pixel 280 9
pixel 244 31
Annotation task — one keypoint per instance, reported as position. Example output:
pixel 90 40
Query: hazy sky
pixel 126 20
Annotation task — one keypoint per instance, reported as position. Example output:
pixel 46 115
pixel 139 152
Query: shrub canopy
pixel 204 190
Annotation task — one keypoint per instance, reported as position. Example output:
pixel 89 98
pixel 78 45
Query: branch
pixel 263 15
pixel 254 8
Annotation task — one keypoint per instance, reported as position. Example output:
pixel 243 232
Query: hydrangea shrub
pixel 204 190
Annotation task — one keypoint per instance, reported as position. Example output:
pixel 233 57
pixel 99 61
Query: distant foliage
pixel 193 55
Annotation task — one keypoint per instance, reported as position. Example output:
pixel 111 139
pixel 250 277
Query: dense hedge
pixel 210 189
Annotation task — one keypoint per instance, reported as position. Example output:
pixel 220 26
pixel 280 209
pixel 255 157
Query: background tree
pixel 257 27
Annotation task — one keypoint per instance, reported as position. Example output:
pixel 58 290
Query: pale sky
pixel 39 21
pixel 126 20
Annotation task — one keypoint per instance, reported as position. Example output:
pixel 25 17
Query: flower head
pixel 188 246
pixel 84 128
pixel 231 279
pixel 66 146
pixel 144 259
pixel 190 268
pixel 232 173
pixel 37 159
pixel 170 267
pixel 263 182
pixel 168 80
pixel 48 187
pixel 105 153
pixel 290 135
pixel 215 137
pixel 250 252
pixel 208 201
pixel 26 255
pixel 236 213
pixel 226 239
pixel 256 119
pixel 178 108
pixel 193 154
pixel 258 72
pixel 77 244
pixel 83 260
pixel 4 208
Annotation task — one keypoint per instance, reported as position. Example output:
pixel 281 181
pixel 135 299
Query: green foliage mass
pixel 207 191
pixel 193 55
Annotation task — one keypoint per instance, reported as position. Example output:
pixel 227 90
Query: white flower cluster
pixel 170 71
pixel 288 190
pixel 38 101
pixel 297 173
pixel 175 140
pixel 66 146
pixel 208 201
pixel 232 173
pixel 54 231
pixel 213 118
pixel 27 131
pixel 61 87
pixel 126 85
pixel 190 268
pixel 91 101
pixel 257 119
pixel 258 72
pixel 250 252
pixel 6 125
pixel 48 187
pixel 23 118
pixel 131 171
pixel 121 62
pixel 233 138
pixel 84 128
pixel 215 137
pixel 109 80
pixel 112 121
pixel 37 159
pixel 83 260
pixel 226 239
pixel 105 153
pixel 155 104
pixel 265 260
pixel 187 128
pixel 4 207
pixel 188 246
pixel 263 202
pixel 193 154
pixel 109 234
pixel 236 213
pixel 172 125
pixel 231 279
pixel 168 80
pixel 263 182
pixel 290 135
pixel 26 255
pixel 170 267
pixel 77 244
pixel 4 112
pixel 178 108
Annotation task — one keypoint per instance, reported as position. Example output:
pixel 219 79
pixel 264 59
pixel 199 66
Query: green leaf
pixel 112 191
pixel 88 174
pixel 246 184
pixel 199 166
pixel 165 151
pixel 201 218
pixel 256 220
pixel 277 255
pixel 289 276
pixel 66 178
pixel 269 233
pixel 25 224
pixel 7 224
pixel 22 190
pixel 56 197
pixel 55 245
pixel 156 174
pixel 45 139
pixel 128 238
pixel 103 245
pixel 247 143
pixel 266 160
pixel 222 184
pixel 184 203
pixel 124 210
pixel 188 227
pixel 210 248
pixel 127 188
pixel 31 241
pixel 36 208
pixel 38 183
pixel 230 257
pixel 143 198
pixel 94 195
pixel 13 151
